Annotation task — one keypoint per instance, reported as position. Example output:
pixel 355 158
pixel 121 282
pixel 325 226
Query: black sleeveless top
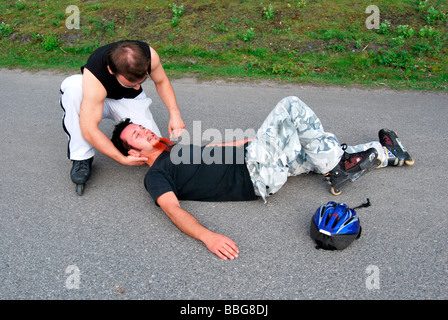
pixel 97 64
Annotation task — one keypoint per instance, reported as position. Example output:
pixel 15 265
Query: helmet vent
pixel 348 221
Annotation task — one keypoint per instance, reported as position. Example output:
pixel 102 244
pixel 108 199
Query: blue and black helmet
pixel 335 226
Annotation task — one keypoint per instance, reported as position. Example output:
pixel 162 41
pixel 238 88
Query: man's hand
pixel 134 161
pixel 176 127
pixel 222 246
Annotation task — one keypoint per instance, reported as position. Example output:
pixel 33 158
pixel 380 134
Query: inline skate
pixel 394 150
pixel 80 173
pixel 351 167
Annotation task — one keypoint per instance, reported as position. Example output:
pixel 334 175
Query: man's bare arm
pixel 220 245
pixel 163 86
pixel 90 116
pixel 237 143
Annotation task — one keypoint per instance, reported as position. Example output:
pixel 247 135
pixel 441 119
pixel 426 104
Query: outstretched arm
pixel 236 143
pixel 220 245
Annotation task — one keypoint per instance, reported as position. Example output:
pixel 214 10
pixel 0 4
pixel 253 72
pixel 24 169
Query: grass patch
pixel 298 41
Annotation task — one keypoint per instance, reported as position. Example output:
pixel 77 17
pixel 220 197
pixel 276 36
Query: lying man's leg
pixel 291 141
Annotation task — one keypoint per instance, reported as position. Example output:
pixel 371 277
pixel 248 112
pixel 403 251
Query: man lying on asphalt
pixel 291 141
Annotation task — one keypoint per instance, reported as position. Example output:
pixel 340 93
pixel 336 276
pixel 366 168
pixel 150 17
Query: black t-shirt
pixel 97 64
pixel 204 174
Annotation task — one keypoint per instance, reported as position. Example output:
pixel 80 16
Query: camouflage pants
pixel 292 141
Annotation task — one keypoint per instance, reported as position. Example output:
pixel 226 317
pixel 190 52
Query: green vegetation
pixel 295 41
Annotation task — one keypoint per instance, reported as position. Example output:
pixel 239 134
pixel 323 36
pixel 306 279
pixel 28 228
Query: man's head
pixel 129 60
pixel 135 140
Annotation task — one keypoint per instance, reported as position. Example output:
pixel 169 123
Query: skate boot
pixel 351 167
pixel 395 152
pixel 80 173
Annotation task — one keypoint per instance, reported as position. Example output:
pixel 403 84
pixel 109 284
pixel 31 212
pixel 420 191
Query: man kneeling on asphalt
pixel 291 141
pixel 110 86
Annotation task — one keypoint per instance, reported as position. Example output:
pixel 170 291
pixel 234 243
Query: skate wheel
pixel 409 162
pixel 80 189
pixel 379 164
pixel 335 192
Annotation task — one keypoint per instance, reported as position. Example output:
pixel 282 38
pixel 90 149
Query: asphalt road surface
pixel 114 243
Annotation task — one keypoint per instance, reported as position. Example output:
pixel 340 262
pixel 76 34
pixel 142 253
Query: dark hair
pixel 119 143
pixel 128 59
